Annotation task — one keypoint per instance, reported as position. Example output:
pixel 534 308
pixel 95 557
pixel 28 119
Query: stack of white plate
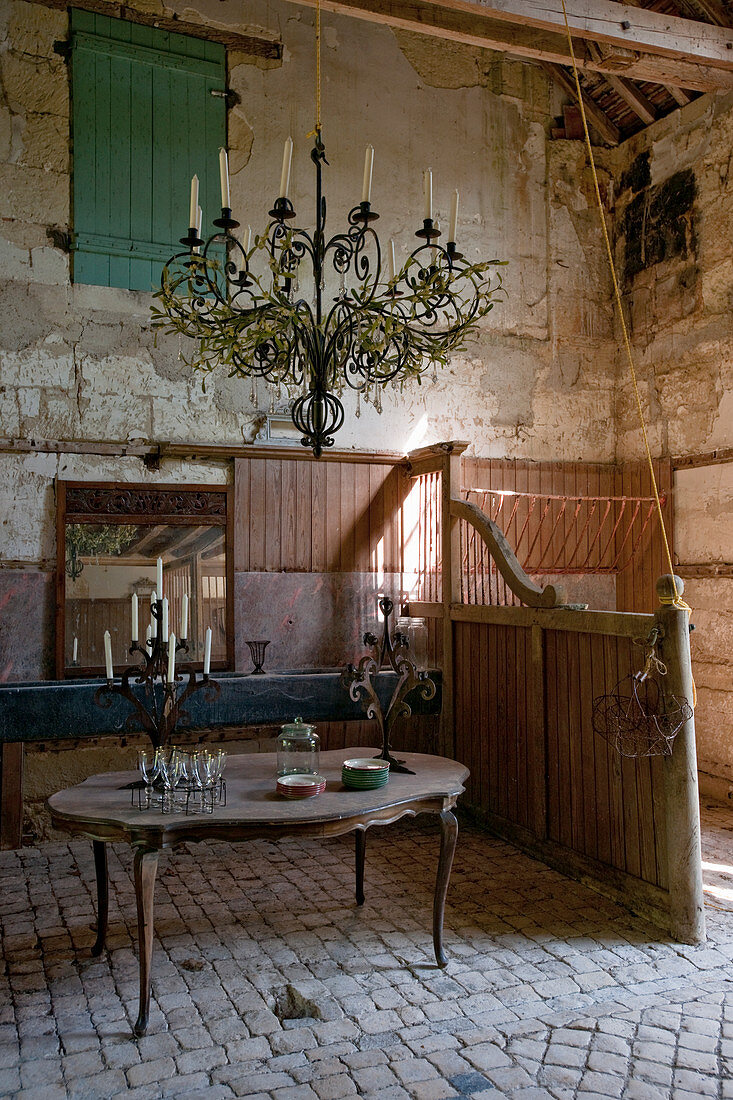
pixel 364 775
pixel 300 785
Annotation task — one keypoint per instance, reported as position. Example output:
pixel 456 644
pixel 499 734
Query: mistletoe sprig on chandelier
pixel 243 306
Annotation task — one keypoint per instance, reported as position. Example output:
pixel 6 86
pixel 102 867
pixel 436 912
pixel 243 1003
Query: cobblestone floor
pixel 269 984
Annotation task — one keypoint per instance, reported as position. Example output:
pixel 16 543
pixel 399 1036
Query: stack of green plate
pixel 364 775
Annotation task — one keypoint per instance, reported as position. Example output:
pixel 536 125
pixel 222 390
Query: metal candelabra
pixel 161 706
pixel 392 325
pixel 394 650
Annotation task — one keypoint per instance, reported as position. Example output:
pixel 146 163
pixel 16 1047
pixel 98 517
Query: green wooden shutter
pixel 143 122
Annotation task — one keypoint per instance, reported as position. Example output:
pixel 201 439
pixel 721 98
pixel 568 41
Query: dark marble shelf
pixel 49 710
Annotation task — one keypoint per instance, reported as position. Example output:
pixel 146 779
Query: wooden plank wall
pixel 300 515
pixel 534 758
pixel 303 515
pixel 636 585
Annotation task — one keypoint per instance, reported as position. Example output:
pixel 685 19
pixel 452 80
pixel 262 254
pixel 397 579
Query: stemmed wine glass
pixel 172 768
pixel 149 766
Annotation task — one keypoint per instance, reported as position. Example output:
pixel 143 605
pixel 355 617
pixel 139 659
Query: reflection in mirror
pixel 106 564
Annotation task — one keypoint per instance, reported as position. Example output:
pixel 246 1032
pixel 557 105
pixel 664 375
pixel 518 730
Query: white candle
pixel 134 617
pixel 194 201
pixel 184 616
pixel 171 658
pixel 248 239
pixel 196 248
pixel 224 179
pixel 392 261
pixel 428 191
pixel 76 649
pixel 207 651
pixel 366 193
pixel 164 624
pixel 148 634
pixel 108 655
pixel 285 174
pixel 453 217
pixel 159 568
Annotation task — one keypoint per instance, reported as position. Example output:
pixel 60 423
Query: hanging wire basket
pixel 638 717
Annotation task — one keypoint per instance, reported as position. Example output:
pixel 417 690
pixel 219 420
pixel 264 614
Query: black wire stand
pixel 392 649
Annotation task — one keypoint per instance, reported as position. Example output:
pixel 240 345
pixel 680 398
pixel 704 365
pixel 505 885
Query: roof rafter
pixel 643 45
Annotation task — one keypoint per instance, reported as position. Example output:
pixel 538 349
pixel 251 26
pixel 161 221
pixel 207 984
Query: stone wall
pixel 81 362
pixel 674 218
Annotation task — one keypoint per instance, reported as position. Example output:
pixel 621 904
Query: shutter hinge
pixel 63 48
pixel 232 97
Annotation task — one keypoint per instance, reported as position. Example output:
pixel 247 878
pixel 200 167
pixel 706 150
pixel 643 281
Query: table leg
pixel 146 866
pixel 100 866
pixel 448 838
pixel 360 853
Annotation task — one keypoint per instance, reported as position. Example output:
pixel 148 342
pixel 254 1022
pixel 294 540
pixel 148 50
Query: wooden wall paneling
pixel 496 759
pixel 577 763
pixel 289 512
pixel 273 516
pixel 537 733
pixel 258 515
pixel 325 517
pixel 521 639
pixel 376 518
pixel 362 533
pixel 566 730
pixel 552 738
pixel 587 745
pixel 629 778
pixel 348 518
pixel 303 562
pixel 618 852
pixel 512 722
pixel 597 801
pixel 481 658
pixel 241 514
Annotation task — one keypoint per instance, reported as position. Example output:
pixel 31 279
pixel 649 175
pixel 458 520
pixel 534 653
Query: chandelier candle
pixel 135 629
pixel 184 617
pixel 108 655
pixel 428 192
pixel 164 622
pixel 159 564
pixel 285 174
pixel 193 208
pixel 224 179
pixel 366 193
pixel 315 316
pixel 207 651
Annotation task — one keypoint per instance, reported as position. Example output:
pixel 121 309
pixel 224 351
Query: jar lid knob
pixel 298 721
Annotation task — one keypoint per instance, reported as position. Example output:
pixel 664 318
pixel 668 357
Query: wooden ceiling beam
pixel 631 95
pixel 475 24
pixel 598 118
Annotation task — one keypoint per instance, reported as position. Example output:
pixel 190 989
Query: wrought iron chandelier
pixel 243 306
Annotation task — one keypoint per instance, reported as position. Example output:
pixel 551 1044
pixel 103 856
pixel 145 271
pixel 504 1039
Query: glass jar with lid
pixel 298 749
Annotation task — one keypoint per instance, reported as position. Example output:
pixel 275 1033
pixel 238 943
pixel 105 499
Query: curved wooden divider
pixel 506 561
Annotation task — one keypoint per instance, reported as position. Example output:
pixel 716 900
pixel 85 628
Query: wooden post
pixel 451 561
pixel 682 807
pixel 11 795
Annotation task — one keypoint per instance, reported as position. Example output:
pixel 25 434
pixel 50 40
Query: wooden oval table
pixel 100 808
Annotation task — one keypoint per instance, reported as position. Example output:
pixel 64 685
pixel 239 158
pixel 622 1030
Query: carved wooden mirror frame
pixel 111 504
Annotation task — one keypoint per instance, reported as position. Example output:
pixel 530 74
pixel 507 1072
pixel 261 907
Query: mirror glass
pixel 106 563
pixel 110 538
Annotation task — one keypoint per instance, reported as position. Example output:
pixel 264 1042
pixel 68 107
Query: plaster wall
pixel 678 282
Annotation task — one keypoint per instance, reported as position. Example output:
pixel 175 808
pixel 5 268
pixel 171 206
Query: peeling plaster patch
pixel 241 140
